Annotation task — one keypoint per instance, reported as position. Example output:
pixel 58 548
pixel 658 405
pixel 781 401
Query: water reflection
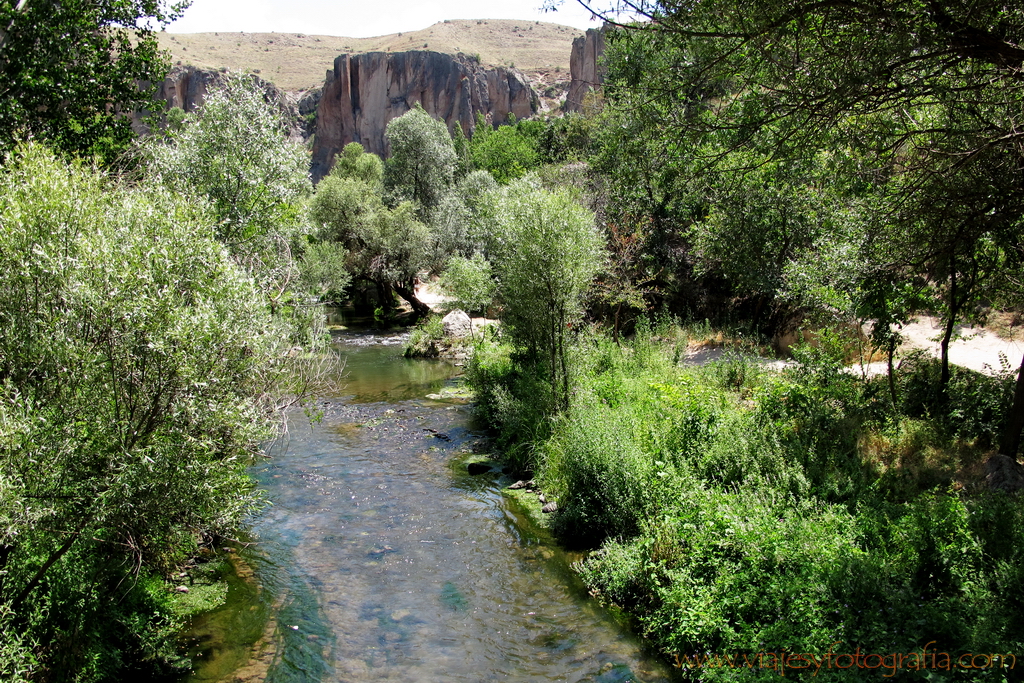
pixel 396 566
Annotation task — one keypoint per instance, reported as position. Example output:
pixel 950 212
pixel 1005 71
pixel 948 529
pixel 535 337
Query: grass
pixel 296 61
pixel 737 509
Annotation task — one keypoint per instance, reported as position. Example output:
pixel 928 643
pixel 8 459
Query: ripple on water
pixel 399 567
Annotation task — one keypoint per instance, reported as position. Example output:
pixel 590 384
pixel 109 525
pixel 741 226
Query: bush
pixel 135 356
pixel 744 511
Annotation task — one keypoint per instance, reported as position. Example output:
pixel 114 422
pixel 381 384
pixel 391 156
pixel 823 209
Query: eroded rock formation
pixel 186 88
pixel 365 91
pixel 585 67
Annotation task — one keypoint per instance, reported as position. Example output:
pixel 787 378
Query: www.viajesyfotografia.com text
pixel 783 662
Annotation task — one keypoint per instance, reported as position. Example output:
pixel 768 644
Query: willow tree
pixel 422 162
pixel 387 246
pixel 546 252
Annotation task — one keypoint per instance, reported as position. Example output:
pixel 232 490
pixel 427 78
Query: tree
pixel 507 152
pixel 546 252
pixel 469 283
pixel 353 162
pixel 234 152
pixel 135 363
pixel 422 165
pixel 386 246
pixel 234 156
pixel 70 70
pixel 928 94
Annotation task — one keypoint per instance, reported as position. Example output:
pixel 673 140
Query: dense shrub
pixel 134 355
pixel 740 510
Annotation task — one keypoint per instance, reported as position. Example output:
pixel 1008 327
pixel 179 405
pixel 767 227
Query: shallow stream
pixel 381 559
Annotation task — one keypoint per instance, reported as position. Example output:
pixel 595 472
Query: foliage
pixel 352 162
pixel 135 358
pixel 421 168
pixel 469 283
pixel 569 138
pixel 425 337
pixel 740 510
pixel 507 152
pixel 235 154
pixel 769 170
pixel 546 251
pixel 323 270
pixel 387 246
pixel 70 70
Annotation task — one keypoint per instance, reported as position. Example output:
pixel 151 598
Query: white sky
pixel 361 18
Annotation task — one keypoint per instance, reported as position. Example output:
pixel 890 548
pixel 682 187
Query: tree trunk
pixel 948 334
pixel 384 297
pixel 890 352
pixel 50 561
pixel 408 292
pixel 615 329
pixel 1010 442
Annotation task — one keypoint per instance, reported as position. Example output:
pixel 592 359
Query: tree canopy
pixel 70 70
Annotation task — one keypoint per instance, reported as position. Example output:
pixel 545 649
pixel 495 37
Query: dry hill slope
pixel 296 61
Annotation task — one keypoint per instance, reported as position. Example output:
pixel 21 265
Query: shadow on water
pixel 380 560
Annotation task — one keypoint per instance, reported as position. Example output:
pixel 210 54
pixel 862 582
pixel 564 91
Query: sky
pixel 361 18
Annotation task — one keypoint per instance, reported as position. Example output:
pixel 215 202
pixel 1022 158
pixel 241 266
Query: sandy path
pixel 978 350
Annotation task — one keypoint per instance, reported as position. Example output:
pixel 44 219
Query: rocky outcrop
pixel 365 91
pixel 186 88
pixel 585 67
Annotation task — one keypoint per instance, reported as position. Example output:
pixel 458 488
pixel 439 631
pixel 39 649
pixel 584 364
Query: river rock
pixel 549 508
pixel 182 589
pixel 518 485
pixel 476 468
pixel 457 325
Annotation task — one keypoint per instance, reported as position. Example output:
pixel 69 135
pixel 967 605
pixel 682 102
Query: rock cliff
pixel 365 91
pixel 186 88
pixel 585 67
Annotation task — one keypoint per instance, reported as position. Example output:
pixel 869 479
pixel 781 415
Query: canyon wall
pixel 585 67
pixel 186 88
pixel 365 91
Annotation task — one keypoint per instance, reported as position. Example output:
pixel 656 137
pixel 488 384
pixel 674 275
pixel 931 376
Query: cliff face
pixel 186 88
pixel 585 67
pixel 365 91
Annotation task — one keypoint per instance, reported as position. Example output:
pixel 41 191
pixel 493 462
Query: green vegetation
pixel 739 509
pixel 757 167
pixel 468 283
pixel 145 324
pixel 744 175
pixel 66 67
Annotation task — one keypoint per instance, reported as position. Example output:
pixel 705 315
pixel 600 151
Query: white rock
pixel 457 324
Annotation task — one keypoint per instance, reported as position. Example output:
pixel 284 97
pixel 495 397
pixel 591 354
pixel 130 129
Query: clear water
pixel 381 559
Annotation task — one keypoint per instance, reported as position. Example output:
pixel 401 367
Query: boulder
pixel 1003 473
pixel 457 325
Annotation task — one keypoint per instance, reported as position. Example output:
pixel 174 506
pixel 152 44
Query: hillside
pixel 296 61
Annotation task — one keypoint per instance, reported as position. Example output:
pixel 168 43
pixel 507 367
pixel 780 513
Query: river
pixel 382 559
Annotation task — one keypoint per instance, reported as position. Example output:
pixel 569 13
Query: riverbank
pixel 737 507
